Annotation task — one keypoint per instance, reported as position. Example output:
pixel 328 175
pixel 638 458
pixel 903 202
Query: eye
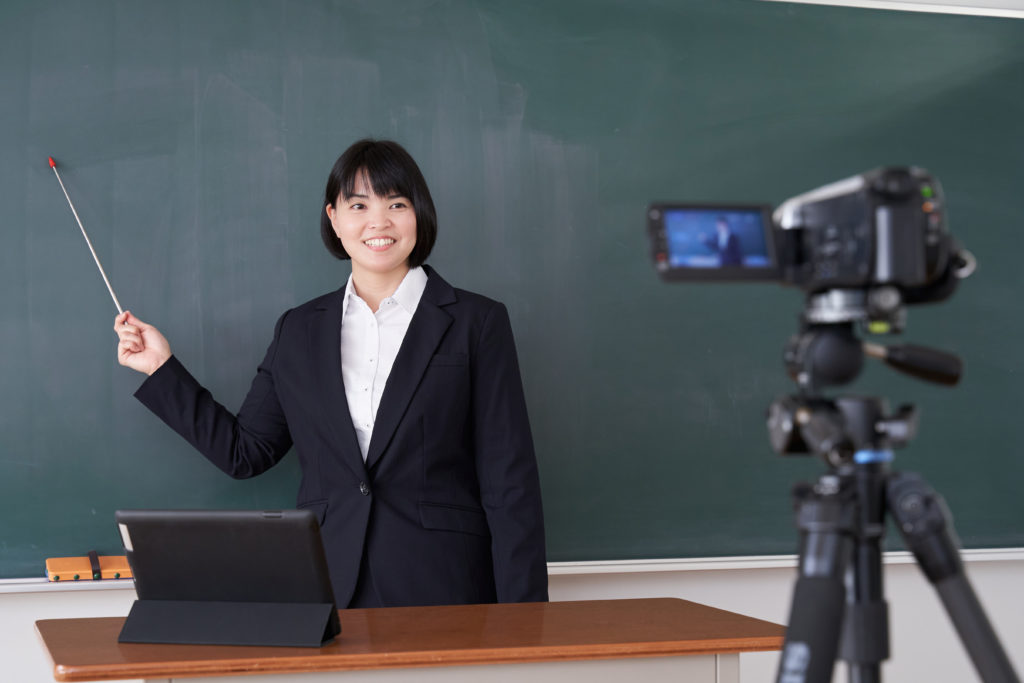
pixel 357 206
pixel 398 205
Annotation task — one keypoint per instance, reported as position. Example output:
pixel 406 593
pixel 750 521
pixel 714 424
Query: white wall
pixel 24 601
pixel 924 645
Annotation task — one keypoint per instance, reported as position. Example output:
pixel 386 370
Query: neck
pixel 375 287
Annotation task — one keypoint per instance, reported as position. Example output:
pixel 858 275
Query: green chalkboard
pixel 195 138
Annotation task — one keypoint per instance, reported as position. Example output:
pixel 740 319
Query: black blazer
pixel 447 506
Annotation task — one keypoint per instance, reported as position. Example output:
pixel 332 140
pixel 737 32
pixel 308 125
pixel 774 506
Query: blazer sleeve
pixel 507 466
pixel 242 446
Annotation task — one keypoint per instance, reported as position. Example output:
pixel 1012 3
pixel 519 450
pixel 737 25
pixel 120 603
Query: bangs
pixel 380 173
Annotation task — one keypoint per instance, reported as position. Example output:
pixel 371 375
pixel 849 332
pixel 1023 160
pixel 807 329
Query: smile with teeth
pixel 379 242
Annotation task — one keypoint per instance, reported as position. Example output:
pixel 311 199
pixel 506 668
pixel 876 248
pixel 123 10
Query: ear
pixel 330 213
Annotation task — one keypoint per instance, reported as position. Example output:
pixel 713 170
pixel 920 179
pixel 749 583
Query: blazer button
pixel 364 489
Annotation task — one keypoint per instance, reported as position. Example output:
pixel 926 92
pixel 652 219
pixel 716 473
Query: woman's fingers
pixel 133 343
pixel 140 346
pixel 129 332
pixel 127 320
pixel 122 325
pixel 129 335
pixel 129 329
pixel 124 353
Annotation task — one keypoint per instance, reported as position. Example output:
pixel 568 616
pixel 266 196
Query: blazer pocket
pixel 449 359
pixel 319 508
pixel 452 518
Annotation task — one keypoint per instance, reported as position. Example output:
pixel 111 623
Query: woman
pixel 402 397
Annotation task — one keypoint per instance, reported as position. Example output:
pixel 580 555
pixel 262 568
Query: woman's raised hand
pixel 140 346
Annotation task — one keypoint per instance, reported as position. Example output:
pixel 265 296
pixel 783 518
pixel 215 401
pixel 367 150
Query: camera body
pixel 885 228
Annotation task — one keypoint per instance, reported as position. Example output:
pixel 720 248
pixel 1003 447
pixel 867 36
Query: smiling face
pixel 378 232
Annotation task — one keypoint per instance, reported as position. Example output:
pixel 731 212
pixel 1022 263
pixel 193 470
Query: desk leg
pixel 728 668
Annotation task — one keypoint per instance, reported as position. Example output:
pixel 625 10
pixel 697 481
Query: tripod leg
pixel 865 643
pixel 923 519
pixel 816 612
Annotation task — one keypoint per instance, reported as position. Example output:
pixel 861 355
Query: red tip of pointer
pixel 53 164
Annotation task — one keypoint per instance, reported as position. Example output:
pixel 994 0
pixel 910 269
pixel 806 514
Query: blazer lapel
pixel 426 329
pixel 325 353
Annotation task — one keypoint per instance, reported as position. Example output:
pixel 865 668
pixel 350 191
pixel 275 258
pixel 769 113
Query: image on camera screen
pixel 716 237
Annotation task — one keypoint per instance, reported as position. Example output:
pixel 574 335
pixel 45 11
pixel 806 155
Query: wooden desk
pixel 643 640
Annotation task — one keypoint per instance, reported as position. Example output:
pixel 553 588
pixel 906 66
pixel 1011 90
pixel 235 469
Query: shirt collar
pixel 410 291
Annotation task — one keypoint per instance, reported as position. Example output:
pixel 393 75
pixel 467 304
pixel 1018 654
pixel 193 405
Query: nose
pixel 378 218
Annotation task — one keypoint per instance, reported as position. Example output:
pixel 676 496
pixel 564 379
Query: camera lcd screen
pixel 712 242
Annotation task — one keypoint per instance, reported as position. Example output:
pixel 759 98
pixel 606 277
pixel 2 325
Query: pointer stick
pixel 53 165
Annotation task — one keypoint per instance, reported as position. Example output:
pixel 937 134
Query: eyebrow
pixel 356 195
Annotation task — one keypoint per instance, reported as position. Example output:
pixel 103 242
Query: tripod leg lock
pixel 923 519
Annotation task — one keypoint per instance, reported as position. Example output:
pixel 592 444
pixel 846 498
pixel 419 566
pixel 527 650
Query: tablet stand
pixel 230 623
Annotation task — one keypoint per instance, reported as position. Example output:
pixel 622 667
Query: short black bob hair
pixel 388 169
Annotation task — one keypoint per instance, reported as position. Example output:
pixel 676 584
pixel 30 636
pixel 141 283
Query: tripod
pixel 838 605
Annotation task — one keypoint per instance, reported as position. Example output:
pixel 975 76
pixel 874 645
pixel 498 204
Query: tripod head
pixel 827 352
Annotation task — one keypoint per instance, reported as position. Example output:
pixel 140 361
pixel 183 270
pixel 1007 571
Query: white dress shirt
pixel 369 346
